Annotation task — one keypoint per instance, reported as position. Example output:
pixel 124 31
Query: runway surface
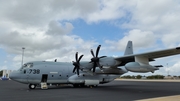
pixel 118 90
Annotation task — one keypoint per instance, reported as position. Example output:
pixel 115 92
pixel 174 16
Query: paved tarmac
pixel 119 90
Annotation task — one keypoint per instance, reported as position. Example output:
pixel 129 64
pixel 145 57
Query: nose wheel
pixel 32 86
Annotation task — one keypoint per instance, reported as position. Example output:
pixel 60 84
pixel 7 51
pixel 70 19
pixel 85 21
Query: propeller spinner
pixel 77 64
pixel 95 59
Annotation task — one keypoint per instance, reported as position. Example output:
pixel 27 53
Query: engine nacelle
pixel 86 65
pixel 89 79
pixel 142 68
pixel 76 79
pixel 107 61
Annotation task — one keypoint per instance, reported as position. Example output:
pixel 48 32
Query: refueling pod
pixel 137 67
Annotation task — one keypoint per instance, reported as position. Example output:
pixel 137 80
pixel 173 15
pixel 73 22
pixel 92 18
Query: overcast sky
pixel 57 29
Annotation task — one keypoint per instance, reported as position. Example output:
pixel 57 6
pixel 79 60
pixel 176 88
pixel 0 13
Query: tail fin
pixel 129 48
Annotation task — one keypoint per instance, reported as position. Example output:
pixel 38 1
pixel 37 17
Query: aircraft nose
pixel 13 75
pixel 16 76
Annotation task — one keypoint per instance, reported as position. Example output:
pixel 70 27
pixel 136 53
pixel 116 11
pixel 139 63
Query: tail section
pixel 129 48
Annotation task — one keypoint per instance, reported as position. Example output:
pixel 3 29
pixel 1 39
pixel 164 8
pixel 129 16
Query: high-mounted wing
pixel 149 55
pixel 161 53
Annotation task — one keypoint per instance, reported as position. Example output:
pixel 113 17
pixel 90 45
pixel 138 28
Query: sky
pixel 57 29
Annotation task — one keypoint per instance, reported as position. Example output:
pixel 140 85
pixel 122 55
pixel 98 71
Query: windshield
pixel 27 65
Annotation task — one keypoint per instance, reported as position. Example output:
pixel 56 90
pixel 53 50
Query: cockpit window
pixel 27 65
pixel 24 66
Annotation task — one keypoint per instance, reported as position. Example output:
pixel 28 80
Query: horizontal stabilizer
pixel 158 66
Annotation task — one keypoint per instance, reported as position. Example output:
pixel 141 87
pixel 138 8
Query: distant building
pixel 168 77
pixel 143 77
pixel 5 75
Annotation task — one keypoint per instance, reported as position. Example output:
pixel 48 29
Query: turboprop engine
pixel 105 61
pixel 108 61
pixel 139 67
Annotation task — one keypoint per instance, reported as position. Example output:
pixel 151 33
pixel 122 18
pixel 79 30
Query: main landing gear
pixel 83 85
pixel 32 86
pixel 78 85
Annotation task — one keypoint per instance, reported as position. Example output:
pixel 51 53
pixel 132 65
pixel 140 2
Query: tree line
pixel 145 77
pixel 1 73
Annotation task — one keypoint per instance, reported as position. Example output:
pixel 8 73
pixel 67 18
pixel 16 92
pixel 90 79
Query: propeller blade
pixel 76 56
pixel 92 53
pixel 94 67
pixel 97 51
pixel 80 58
pixel 77 71
pixel 102 56
pixel 76 64
pixel 99 65
pixel 95 59
pixel 74 69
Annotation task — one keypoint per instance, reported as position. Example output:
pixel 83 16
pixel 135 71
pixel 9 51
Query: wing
pixel 149 55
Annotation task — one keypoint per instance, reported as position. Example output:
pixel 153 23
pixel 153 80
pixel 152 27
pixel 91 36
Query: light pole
pixel 22 55
pixel 168 69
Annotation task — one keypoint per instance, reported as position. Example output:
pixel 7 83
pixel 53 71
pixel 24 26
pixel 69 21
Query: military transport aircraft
pixel 98 70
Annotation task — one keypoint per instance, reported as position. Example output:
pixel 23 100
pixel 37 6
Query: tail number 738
pixel 34 71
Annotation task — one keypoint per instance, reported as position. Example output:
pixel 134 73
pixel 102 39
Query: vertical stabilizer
pixel 129 48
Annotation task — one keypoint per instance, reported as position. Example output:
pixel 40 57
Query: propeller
pixel 95 58
pixel 77 64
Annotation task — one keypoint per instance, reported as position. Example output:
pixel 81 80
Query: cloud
pixel 4 67
pixel 162 18
pixel 37 14
pixel 56 28
pixel 55 41
pixel 110 11
pixel 44 29
pixel 154 14
pixel 22 13
pixel 141 39
pixel 173 70
pixel 171 39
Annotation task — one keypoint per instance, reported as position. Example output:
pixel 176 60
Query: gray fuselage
pixel 60 73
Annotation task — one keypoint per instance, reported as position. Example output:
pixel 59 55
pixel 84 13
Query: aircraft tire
pixel 75 85
pixel 82 85
pixel 78 85
pixel 32 86
pixel 91 86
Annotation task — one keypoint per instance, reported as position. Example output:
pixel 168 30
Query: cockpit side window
pixel 30 65
pixel 24 66
pixel 27 65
